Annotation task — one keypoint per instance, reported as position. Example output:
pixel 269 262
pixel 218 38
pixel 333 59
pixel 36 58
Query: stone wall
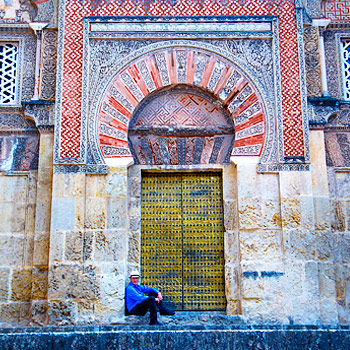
pixel 88 248
pixel 17 207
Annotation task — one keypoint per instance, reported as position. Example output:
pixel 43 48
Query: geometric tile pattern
pixel 180 127
pixel 197 68
pixel 76 10
pixel 8 73
pixel 337 10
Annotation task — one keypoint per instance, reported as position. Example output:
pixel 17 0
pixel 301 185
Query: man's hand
pixel 159 297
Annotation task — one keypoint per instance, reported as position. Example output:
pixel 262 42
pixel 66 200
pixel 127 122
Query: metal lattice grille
pixel 182 245
pixel 345 45
pixel 8 73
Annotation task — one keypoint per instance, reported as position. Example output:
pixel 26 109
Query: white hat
pixel 134 273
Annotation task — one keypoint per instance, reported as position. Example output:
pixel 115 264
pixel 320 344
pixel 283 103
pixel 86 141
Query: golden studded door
pixel 182 244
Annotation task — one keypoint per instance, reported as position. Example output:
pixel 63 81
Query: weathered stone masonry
pixel 252 90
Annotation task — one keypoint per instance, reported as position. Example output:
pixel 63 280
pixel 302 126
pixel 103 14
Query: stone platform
pixel 176 336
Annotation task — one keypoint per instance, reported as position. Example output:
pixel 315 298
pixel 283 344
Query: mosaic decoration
pixel 74 11
pixel 48 67
pixel 337 139
pixel 19 152
pixel 230 86
pixel 312 62
pixel 337 10
pixel 165 130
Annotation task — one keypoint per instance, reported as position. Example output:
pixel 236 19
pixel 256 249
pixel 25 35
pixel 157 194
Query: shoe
pixel 156 323
pixel 166 312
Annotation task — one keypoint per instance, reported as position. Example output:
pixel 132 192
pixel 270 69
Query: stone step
pixel 145 337
pixel 187 318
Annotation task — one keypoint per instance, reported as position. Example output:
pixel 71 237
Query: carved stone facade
pixel 110 90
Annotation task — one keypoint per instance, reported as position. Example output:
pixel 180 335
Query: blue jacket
pixel 134 294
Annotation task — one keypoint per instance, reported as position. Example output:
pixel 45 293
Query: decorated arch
pixel 223 83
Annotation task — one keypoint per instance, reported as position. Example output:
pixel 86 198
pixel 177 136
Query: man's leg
pixel 141 309
pixel 162 309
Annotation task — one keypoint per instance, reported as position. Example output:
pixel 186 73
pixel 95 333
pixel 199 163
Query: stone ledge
pixel 238 337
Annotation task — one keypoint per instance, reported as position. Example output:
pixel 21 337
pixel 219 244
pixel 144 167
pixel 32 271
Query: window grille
pixel 8 73
pixel 345 56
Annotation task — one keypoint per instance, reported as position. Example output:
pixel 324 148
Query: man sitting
pixel 138 304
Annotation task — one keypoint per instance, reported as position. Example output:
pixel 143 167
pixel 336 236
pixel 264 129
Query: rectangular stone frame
pixel 231 233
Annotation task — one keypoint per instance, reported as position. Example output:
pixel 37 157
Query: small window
pixel 345 57
pixel 8 73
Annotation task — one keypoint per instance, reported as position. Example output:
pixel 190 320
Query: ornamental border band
pixel 137 303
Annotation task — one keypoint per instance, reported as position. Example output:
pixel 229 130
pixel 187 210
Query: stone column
pixel 323 232
pixel 42 227
pixel 300 247
pixel 88 246
pixel 322 24
pixel 260 245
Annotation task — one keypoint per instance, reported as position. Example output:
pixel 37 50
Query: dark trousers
pixel 145 305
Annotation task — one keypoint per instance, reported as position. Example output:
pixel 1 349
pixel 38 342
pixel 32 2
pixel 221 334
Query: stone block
pixel 88 243
pixel 40 283
pixel 68 185
pixel 11 250
pixel 322 213
pixel 341 249
pixel 338 217
pixel 117 213
pixel 294 184
pixel 134 247
pixel 10 313
pixel 324 245
pixel 74 246
pixel 232 281
pixel 252 286
pixel 230 214
pixel 271 214
pixel 15 188
pixel 4 284
pixel 41 248
pixel 21 285
pixel 15 212
pixel 62 313
pixel 247 180
pixel 233 307
pixel 87 288
pixel 95 213
pixel 43 216
pixel 231 241
pixel 343 185
pixel 63 279
pixel 56 246
pixel 299 245
pixel 116 185
pixel 63 214
pixel 229 183
pixel 85 312
pixel 110 245
pixel 39 313
pixel 260 245
pixel 347 205
pixel 327 285
pixel 112 288
pixel 95 186
pixel 249 213
pixel 307 213
pixel 134 186
pixel 291 213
